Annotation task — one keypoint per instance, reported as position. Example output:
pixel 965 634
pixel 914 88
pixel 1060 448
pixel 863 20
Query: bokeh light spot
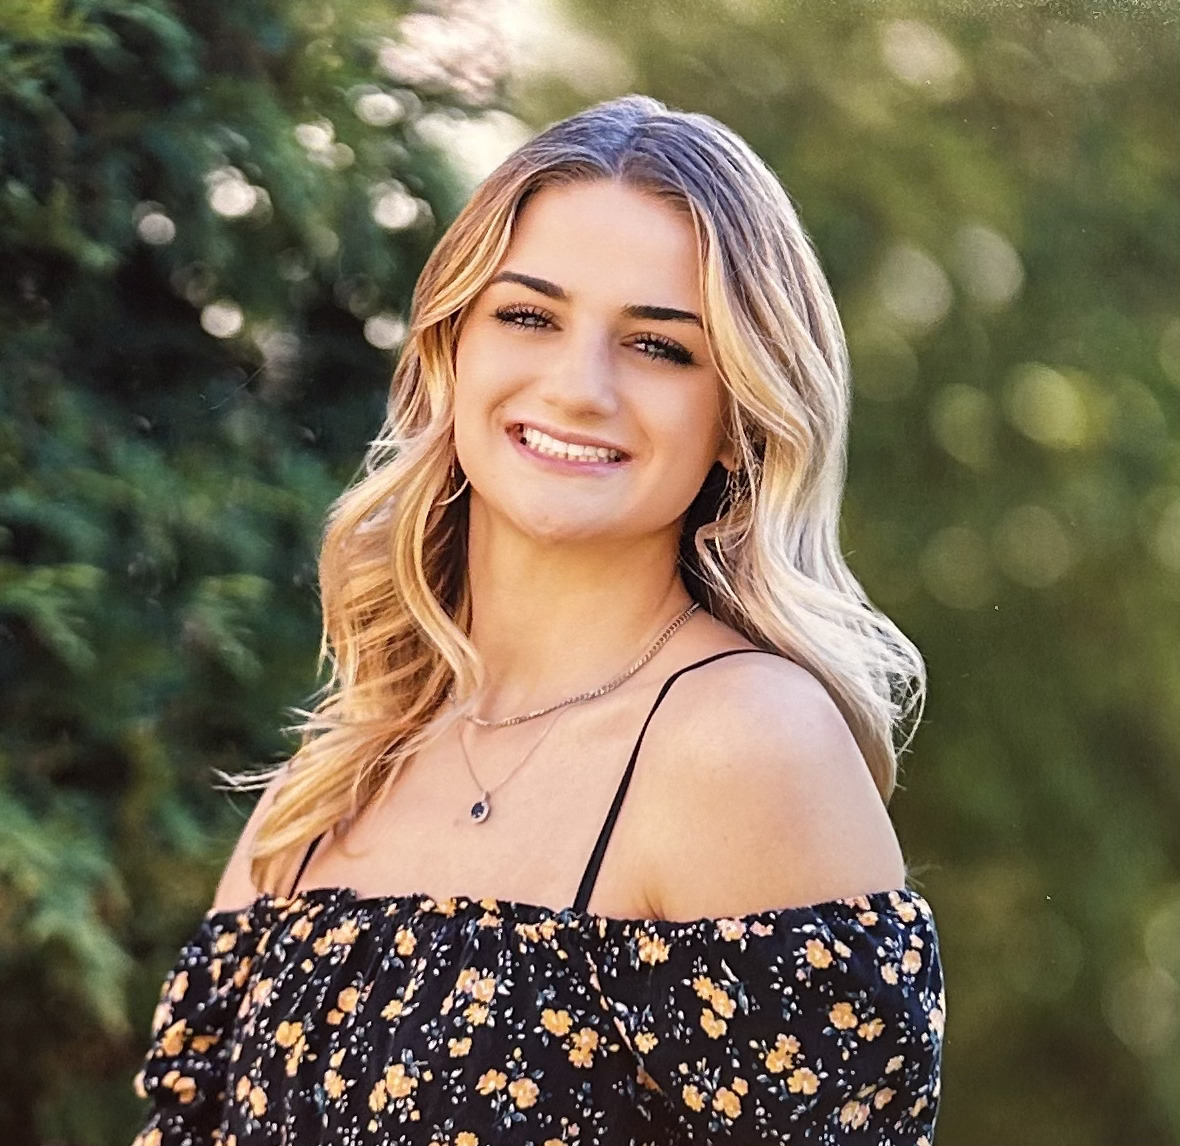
pixel 1046 406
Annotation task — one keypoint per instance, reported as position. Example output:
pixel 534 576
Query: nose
pixel 580 381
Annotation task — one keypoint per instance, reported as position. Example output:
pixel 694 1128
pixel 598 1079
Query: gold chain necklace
pixel 602 690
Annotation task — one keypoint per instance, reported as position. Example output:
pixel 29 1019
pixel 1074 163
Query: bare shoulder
pixel 762 797
pixel 236 888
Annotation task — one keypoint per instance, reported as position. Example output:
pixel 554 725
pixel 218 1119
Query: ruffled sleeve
pixel 184 1073
pixel 802 1024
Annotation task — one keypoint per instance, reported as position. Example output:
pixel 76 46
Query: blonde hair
pixel 760 547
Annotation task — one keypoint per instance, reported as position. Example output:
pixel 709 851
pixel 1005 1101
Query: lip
pixel 571 439
pixel 560 464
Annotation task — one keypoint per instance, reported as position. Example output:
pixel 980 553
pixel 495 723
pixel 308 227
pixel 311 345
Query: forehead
pixel 607 241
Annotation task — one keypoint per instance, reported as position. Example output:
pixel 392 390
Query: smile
pixel 538 442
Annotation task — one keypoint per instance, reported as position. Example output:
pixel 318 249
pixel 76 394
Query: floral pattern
pixel 328 1017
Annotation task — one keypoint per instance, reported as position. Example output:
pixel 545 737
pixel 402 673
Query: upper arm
pixel 236 888
pixel 761 797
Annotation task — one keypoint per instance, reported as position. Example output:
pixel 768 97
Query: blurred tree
pixel 212 215
pixel 993 190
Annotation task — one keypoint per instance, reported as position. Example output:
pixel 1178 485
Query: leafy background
pixel 211 218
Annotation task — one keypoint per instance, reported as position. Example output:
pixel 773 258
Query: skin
pixel 752 792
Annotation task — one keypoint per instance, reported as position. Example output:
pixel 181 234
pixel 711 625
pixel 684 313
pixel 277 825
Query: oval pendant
pixel 481 809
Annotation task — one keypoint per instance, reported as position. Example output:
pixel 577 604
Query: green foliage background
pixel 993 190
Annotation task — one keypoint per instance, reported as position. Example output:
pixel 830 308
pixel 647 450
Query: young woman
pixel 586 841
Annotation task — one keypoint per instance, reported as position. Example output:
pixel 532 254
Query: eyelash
pixel 665 349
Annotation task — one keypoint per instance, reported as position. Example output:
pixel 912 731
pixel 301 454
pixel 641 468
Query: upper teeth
pixel 544 444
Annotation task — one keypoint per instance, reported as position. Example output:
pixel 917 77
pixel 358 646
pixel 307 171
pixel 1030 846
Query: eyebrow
pixel 634 310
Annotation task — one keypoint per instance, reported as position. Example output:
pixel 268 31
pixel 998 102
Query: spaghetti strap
pixel 590 876
pixel 303 865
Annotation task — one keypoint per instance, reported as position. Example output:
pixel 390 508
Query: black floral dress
pixel 325 1017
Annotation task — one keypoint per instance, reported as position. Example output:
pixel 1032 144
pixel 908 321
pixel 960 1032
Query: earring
pixel 466 482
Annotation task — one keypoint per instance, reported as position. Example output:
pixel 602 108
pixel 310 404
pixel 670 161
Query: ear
pixel 728 455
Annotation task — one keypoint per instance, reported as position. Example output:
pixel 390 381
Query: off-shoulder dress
pixel 324 1016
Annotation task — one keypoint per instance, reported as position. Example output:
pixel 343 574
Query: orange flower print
pixel 484 989
pixel 727 1102
pixel 722 1003
pixel 585 1042
pixel 843 1017
pixel 883 1097
pixel 257 1101
pixel 181 1085
pixel 817 954
pixel 288 1033
pixel 459 1047
pixel 398 1083
pixel 347 998
pixel 172 1041
pixel 392 1009
pixel 780 1056
pixel 871 1030
pixel 645 1042
pixel 704 986
pixel 911 962
pixel 854 1114
pixel 692 1097
pixel 936 1021
pixel 404 942
pixel 740 1086
pixel 524 1092
pixel 301 928
pixel 378 1096
pixel 894 1063
pixel 476 1014
pixel 730 929
pixel 466 1138
pixel 712 1025
pixel 889 974
pixel 333 1083
pixel 490 1081
pixel 868 918
pixel 652 949
pixel 802 1081
pixel 556 1022
pixel 179 986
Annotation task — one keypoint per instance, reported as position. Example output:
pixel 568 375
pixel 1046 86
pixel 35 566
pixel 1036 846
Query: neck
pixel 551 621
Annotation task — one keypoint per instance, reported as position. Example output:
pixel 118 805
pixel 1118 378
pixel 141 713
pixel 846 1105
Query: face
pixel 587 406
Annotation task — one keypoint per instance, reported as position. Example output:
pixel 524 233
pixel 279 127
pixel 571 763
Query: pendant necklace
pixel 482 808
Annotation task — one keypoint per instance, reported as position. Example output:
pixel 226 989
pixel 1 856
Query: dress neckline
pixel 520 911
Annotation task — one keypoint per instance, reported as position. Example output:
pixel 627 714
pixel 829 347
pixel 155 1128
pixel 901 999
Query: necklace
pixel 610 685
pixel 482 808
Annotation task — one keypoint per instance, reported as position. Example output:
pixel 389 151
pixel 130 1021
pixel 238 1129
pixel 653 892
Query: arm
pixel 236 888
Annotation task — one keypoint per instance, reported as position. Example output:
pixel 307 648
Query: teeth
pixel 553 448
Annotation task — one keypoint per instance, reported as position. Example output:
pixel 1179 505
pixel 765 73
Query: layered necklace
pixel 482 808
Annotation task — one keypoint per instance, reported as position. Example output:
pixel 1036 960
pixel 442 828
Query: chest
pixel 547 785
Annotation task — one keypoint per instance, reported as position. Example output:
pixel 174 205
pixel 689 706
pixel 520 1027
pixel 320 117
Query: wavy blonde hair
pixel 760 547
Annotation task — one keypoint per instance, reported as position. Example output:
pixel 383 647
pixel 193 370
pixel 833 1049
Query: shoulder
pixel 762 798
pixel 236 888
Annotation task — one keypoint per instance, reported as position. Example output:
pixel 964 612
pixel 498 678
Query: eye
pixel 654 346
pixel 525 317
